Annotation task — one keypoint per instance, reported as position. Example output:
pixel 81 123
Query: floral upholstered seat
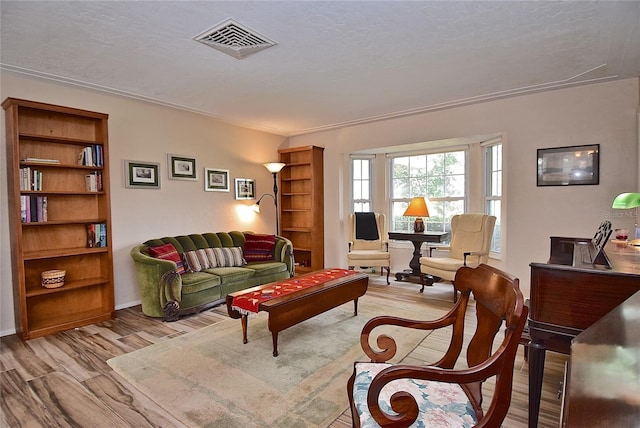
pixel 440 404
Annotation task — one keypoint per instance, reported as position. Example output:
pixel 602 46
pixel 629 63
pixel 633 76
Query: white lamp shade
pixel 274 167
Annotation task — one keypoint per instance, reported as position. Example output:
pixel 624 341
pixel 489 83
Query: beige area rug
pixel 208 378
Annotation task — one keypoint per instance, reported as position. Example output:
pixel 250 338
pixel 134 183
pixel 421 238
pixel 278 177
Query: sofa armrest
pixel 149 272
pixel 284 253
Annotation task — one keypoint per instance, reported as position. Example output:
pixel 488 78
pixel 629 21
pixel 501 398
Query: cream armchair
pixel 369 242
pixel 471 236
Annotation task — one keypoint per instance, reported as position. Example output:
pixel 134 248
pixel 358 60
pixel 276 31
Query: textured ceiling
pixel 335 63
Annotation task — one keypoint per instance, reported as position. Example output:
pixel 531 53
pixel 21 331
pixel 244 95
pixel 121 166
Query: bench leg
pixel 274 337
pixel 244 328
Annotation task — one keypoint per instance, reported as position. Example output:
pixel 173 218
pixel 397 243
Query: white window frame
pixel 358 181
pixel 494 191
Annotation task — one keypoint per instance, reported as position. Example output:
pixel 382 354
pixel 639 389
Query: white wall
pixel 147 132
pixel 604 114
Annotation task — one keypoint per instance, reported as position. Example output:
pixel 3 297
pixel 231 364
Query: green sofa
pixel 166 293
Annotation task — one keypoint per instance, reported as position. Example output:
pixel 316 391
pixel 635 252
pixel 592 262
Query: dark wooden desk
pixel 604 368
pixel 417 239
pixel 566 300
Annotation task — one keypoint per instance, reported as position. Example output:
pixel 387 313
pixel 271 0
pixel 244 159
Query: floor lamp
pixel 274 168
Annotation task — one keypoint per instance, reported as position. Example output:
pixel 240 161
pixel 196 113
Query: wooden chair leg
pixel 426 281
pixel 525 339
pixel 388 272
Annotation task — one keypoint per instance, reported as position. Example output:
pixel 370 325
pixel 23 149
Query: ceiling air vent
pixel 234 39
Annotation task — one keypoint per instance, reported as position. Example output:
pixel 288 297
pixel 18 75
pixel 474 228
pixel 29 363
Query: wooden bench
pixel 293 307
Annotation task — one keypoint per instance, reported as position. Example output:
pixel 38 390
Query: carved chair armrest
pixel 386 343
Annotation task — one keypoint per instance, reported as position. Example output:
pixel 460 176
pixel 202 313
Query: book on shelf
pixel 41 160
pixel 25 178
pixel 91 156
pixel 39 212
pixel 30 179
pixel 91 182
pixel 102 235
pixel 33 208
pixel 24 213
pixel 45 213
pixel 96 235
pixel 37 180
pixel 99 155
pixel 94 181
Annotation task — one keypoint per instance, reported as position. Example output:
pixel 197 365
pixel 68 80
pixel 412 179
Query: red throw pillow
pixel 167 252
pixel 259 248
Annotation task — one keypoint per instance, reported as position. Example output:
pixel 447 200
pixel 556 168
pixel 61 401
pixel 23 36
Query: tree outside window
pixel 441 177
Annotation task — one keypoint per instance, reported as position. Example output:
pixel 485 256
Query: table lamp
pixel 628 200
pixel 417 208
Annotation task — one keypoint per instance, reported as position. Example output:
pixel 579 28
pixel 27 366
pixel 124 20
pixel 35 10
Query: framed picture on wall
pixel 182 167
pixel 141 175
pixel 216 180
pixel 245 188
pixel 569 166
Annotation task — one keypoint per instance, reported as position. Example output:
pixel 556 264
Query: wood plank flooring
pixel 62 380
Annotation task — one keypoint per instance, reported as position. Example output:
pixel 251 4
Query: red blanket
pixel 250 301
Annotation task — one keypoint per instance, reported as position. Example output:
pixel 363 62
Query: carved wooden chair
pixel 383 394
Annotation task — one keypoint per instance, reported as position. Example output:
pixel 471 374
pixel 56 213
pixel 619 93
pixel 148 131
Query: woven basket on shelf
pixel 53 278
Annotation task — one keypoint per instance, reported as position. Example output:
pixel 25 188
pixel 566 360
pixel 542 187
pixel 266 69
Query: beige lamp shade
pixel 274 167
pixel 417 208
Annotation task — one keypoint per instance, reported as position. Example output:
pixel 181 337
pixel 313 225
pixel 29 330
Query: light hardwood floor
pixel 62 380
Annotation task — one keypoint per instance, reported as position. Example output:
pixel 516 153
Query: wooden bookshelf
pixel 302 205
pixel 51 139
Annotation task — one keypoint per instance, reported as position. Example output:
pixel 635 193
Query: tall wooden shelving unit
pixel 302 205
pixel 50 138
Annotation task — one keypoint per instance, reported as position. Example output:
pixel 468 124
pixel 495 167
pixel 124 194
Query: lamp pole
pixel 274 168
pixel 275 199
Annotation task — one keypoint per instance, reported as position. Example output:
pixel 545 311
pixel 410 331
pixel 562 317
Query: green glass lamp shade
pixel 626 200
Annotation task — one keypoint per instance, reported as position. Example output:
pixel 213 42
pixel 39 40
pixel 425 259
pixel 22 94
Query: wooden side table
pixel 417 239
